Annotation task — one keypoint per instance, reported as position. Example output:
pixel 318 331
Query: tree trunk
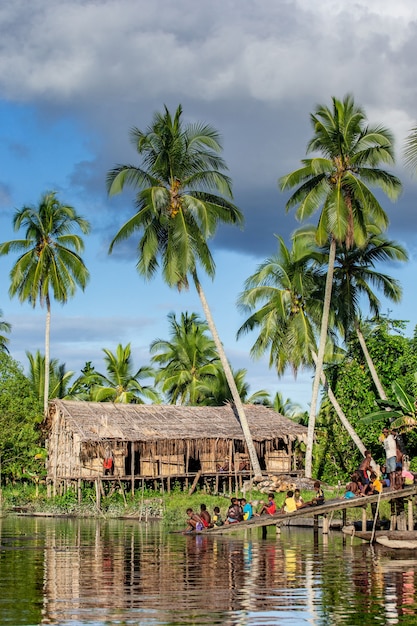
pixel 47 358
pixel 370 362
pixel 348 426
pixel 320 359
pixel 230 380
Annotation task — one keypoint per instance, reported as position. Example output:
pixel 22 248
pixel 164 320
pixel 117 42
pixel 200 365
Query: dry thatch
pixel 98 421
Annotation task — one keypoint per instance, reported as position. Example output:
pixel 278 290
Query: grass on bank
pixel 145 504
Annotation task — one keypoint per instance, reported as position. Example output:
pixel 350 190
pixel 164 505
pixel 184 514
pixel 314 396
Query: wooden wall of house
pixel 278 461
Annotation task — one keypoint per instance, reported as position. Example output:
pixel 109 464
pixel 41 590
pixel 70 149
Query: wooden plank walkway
pixel 339 504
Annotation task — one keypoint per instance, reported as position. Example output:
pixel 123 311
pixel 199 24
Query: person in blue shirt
pixel 247 509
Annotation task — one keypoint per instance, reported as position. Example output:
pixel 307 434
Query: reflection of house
pixel 157 442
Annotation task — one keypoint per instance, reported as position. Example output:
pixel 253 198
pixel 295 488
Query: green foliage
pixel 395 359
pixel 20 414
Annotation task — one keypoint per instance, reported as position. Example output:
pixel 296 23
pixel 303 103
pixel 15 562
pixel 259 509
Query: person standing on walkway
pixel 390 447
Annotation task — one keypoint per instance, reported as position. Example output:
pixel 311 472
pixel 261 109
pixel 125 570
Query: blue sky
pixel 76 75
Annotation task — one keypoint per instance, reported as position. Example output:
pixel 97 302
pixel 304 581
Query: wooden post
pixel 344 517
pixel 393 523
pixel 278 529
pixel 79 492
pixel 364 518
pixel 410 514
pixel 132 466
pixel 98 493
pixel 195 482
pixel 326 524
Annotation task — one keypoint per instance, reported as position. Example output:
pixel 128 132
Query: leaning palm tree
pixel 188 358
pixel 5 327
pixel 337 183
pixel 285 298
pixel 355 276
pixel 50 264
pixel 122 384
pixel 182 195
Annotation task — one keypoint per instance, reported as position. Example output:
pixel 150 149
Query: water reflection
pixel 83 571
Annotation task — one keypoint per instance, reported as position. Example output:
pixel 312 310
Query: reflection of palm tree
pixel 178 211
pixel 187 359
pixel 122 383
pixel 50 260
pixel 338 183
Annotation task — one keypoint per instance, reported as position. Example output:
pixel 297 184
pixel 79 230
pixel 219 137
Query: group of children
pixel 241 510
pixel 370 480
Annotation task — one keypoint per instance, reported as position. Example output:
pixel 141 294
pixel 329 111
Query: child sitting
pixel 290 504
pixel 217 518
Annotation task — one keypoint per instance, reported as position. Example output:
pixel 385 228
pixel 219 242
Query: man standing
pixel 390 447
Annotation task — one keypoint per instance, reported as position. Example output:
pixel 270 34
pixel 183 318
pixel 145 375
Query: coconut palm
pixel 410 151
pixel 178 210
pixel 122 383
pixel 5 327
pixel 288 290
pixel 215 391
pixel 50 265
pixel 189 357
pixel 354 277
pixel 59 378
pixel 337 183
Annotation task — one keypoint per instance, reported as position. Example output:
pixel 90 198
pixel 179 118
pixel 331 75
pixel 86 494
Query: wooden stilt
pixel 393 522
pixel 326 524
pixel 410 514
pixel 364 518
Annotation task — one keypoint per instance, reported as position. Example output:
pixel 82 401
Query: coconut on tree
pixel 50 265
pixel 338 182
pixel 183 194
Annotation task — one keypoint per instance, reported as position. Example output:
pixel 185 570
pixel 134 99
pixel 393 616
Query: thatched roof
pixel 95 421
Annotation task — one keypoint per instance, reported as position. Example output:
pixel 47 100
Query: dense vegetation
pixel 305 304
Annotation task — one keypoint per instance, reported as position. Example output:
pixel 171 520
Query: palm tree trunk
pixel 348 426
pixel 47 357
pixel 320 359
pixel 230 380
pixel 370 362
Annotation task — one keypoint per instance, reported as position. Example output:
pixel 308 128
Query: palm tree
pixel 122 383
pixel 337 182
pixel 410 151
pixel 187 359
pixel 50 263
pixel 58 376
pixel 178 210
pixel 355 275
pixel 288 408
pixel 5 327
pixel 215 391
pixel 288 290
pixel 82 387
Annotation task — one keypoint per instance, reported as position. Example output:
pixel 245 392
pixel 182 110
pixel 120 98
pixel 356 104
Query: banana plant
pixel 401 412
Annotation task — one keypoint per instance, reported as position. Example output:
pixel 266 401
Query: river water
pixel 97 572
